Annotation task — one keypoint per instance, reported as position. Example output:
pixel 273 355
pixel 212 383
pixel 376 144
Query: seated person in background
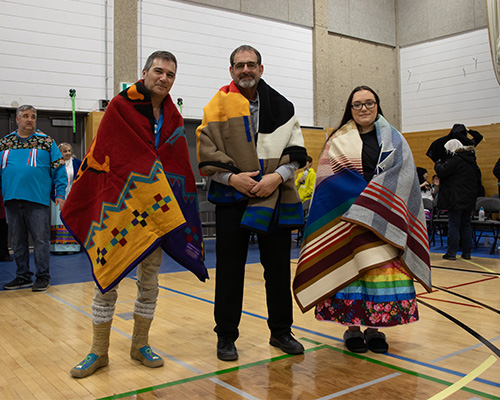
pixel 435 186
pixel 425 186
pixel 305 181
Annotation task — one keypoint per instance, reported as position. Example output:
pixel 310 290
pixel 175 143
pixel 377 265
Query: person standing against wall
pixel 31 165
pixel 460 179
pixel 496 172
pixel 250 144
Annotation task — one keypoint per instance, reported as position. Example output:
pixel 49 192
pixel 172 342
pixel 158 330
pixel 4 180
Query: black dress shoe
pixel 226 350
pixel 448 257
pixel 466 256
pixel 287 343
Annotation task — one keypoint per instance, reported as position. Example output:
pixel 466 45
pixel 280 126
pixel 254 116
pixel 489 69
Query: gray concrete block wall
pixel 322 80
pixel 234 5
pixel 343 61
pixel 276 9
pixel 423 20
pixel 352 63
pixel 378 25
pixel 480 14
pixel 372 20
pixel 389 22
pixel 450 16
pixel 357 41
pixel 301 12
pixel 298 12
pixel 349 56
pixel 124 43
pixel 338 17
pixel 411 17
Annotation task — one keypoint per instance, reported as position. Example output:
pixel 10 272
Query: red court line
pixel 461 284
pixel 451 302
pixel 471 283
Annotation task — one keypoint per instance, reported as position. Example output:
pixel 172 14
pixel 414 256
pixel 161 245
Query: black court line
pixel 482 339
pixel 467 270
pixel 469 299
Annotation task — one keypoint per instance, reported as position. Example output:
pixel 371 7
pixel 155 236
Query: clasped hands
pixel 245 183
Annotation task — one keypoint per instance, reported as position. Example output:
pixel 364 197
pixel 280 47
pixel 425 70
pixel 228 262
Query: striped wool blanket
pixel 353 226
pixel 226 142
pixel 130 197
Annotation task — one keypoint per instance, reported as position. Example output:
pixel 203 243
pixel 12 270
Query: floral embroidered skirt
pixel 384 296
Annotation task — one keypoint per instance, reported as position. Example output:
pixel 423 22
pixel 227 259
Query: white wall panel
pixel 449 81
pixel 202 39
pixel 50 46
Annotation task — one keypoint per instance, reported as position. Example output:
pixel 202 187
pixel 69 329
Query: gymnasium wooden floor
pixel 43 335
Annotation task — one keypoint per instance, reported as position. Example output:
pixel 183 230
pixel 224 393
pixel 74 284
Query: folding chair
pixel 207 215
pixel 305 206
pixel 491 206
pixel 440 222
pixel 429 216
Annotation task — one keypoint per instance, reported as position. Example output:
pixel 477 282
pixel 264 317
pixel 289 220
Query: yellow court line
pixel 465 380
pixel 483 267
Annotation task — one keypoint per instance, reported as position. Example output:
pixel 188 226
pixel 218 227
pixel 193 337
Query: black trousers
pixel 4 237
pixel 231 251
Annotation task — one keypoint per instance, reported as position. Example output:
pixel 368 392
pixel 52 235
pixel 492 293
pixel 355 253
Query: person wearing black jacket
pixel 496 172
pixel 460 184
pixel 437 151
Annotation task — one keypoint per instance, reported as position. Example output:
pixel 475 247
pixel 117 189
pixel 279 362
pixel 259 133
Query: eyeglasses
pixel 369 104
pixel 249 64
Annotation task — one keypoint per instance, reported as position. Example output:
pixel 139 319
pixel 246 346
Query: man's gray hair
pixel 164 55
pixel 25 107
pixel 245 47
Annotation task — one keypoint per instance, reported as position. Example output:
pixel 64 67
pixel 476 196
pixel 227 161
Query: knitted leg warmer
pixel 140 349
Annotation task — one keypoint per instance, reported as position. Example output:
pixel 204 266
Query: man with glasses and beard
pixel 250 145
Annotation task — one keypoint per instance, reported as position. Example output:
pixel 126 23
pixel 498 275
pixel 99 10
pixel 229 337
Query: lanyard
pixel 158 125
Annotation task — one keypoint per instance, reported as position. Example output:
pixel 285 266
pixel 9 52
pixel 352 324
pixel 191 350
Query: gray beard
pixel 247 83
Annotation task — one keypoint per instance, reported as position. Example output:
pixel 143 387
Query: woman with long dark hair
pixel 365 239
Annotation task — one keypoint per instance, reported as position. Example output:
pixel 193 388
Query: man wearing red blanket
pixel 134 195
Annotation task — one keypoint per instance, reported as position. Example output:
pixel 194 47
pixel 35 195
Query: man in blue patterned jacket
pixel 30 163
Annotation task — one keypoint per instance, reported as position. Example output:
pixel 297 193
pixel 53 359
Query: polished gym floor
pixel 452 352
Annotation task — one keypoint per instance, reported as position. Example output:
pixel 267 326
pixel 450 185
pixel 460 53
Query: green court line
pixel 207 375
pixel 273 359
pixel 310 341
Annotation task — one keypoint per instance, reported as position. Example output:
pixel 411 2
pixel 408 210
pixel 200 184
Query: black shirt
pixel 370 154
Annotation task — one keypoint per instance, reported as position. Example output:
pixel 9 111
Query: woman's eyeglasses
pixel 358 106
